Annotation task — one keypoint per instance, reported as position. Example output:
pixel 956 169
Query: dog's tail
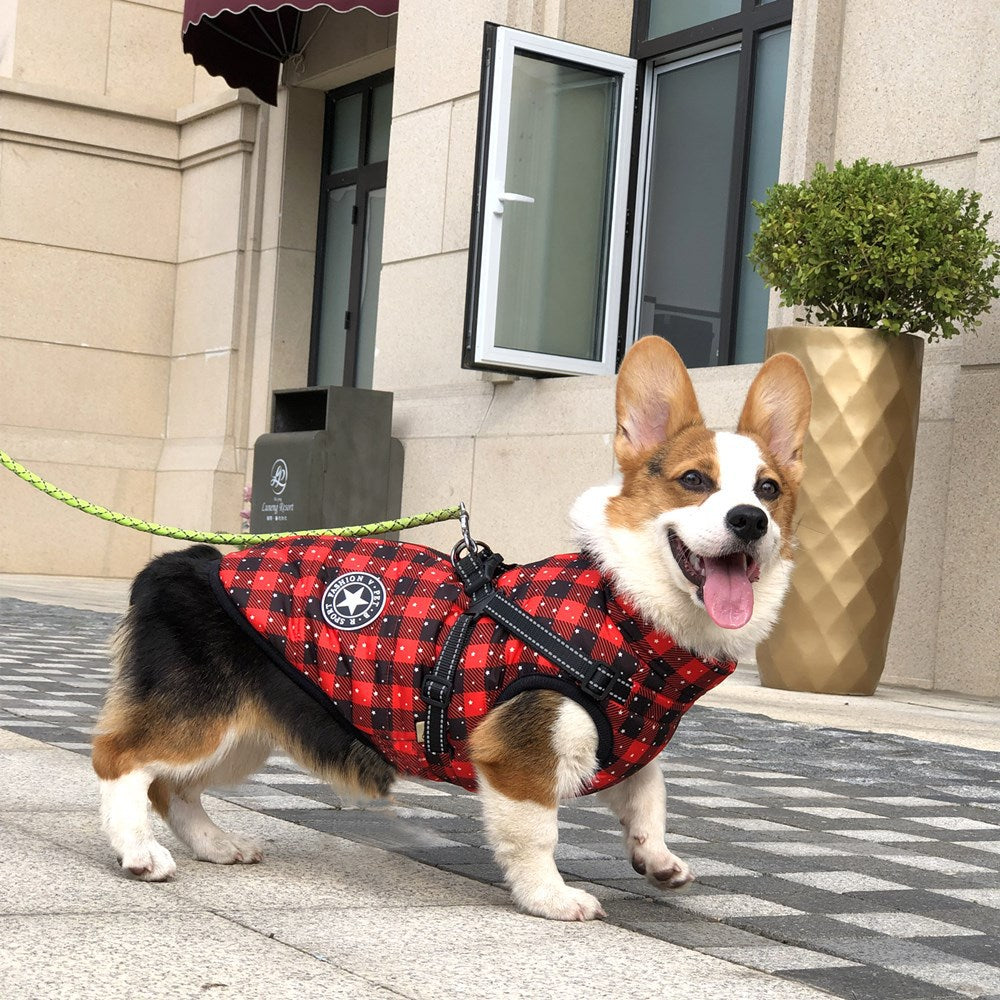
pixel 148 590
pixel 168 566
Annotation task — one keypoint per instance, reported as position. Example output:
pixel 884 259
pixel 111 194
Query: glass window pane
pixel 762 172
pixel 336 286
pixel 553 250
pixel 346 134
pixel 372 270
pixel 378 128
pixel 694 116
pixel 666 16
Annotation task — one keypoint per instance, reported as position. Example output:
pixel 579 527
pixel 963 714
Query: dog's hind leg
pixel 143 752
pixel 125 818
pixel 529 753
pixel 176 796
pixel 131 764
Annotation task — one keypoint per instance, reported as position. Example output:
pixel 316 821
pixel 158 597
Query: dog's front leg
pixel 523 835
pixel 529 753
pixel 640 803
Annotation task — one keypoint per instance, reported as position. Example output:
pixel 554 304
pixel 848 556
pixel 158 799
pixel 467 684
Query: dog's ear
pixel 654 399
pixel 777 409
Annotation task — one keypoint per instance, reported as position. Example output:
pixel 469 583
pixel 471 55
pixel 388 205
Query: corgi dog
pixel 684 561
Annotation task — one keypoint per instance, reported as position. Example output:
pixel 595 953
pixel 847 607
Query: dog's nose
pixel 747 523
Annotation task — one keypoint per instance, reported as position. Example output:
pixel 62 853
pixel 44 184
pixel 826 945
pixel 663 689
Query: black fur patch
pixel 184 654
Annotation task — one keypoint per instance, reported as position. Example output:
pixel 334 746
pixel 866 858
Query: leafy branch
pixel 878 246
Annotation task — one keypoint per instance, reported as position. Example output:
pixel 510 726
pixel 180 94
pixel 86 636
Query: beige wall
pixel 88 236
pixel 124 208
pixel 159 232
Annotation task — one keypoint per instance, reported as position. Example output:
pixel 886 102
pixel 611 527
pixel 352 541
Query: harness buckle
pixel 436 692
pixel 598 687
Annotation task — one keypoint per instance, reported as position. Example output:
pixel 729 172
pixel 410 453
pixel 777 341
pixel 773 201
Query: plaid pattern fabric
pixel 372 673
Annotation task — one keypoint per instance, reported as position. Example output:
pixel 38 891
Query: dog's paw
pixel 562 903
pixel 149 862
pixel 228 849
pixel 662 868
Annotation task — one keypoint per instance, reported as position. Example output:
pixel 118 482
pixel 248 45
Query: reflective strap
pixel 596 680
pixel 437 687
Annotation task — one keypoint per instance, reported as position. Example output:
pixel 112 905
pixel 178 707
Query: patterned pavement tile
pixel 779 958
pixel 867 982
pixel 863 864
pixel 906 925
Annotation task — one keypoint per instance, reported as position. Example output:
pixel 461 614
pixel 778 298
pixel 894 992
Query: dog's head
pixel 698 529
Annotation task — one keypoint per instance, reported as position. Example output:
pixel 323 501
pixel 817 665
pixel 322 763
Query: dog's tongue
pixel 728 593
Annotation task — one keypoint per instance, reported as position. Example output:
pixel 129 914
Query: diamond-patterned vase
pixel 834 628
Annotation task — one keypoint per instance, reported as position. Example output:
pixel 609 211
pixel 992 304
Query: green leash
pixel 220 537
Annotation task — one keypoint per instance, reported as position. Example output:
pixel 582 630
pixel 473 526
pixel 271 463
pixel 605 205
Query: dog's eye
pixel 767 489
pixel 693 480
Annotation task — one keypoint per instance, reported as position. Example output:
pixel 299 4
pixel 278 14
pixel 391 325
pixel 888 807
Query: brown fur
pixel 651 486
pixel 133 736
pixel 160 793
pixel 654 400
pixel 661 435
pixel 512 748
pixel 777 410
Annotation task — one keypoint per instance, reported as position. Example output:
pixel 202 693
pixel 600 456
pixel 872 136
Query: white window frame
pixel 486 354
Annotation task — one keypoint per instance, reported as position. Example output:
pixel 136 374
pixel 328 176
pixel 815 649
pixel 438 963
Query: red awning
pixel 246 41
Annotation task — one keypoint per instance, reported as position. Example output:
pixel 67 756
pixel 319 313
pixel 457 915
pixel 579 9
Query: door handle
pixel 510 196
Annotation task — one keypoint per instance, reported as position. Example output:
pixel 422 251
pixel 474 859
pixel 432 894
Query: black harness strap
pixel 477 571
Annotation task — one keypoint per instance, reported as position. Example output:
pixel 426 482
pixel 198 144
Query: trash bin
pixel 329 461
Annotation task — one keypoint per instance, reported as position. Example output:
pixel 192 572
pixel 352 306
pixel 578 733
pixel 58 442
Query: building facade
pixel 172 251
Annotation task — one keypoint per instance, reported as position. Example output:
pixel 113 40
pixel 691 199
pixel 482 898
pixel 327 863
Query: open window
pixel 549 208
pixel 563 194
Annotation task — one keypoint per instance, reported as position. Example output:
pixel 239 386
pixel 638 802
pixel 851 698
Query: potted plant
pixel 878 257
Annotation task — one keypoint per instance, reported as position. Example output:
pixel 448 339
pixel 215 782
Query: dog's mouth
pixel 725 583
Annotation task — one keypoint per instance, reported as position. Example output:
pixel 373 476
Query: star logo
pixel 352 601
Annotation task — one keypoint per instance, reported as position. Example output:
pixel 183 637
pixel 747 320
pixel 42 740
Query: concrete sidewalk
pixel 322 917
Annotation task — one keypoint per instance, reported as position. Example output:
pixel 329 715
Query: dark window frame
pixel 366 177
pixel 752 20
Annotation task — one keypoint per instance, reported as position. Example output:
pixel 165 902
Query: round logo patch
pixel 353 601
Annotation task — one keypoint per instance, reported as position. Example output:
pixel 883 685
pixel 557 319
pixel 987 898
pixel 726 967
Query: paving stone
pixel 867 982
pixel 780 958
pixel 906 925
pixel 978 948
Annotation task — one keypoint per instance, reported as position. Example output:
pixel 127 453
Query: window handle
pixel 510 196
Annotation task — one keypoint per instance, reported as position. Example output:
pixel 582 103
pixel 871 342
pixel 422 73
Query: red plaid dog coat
pixel 360 622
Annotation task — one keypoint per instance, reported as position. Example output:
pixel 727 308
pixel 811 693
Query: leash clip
pixel 470 545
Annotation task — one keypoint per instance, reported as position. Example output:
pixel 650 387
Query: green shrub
pixel 875 245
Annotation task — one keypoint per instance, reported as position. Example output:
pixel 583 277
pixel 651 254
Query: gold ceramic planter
pixel 834 628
